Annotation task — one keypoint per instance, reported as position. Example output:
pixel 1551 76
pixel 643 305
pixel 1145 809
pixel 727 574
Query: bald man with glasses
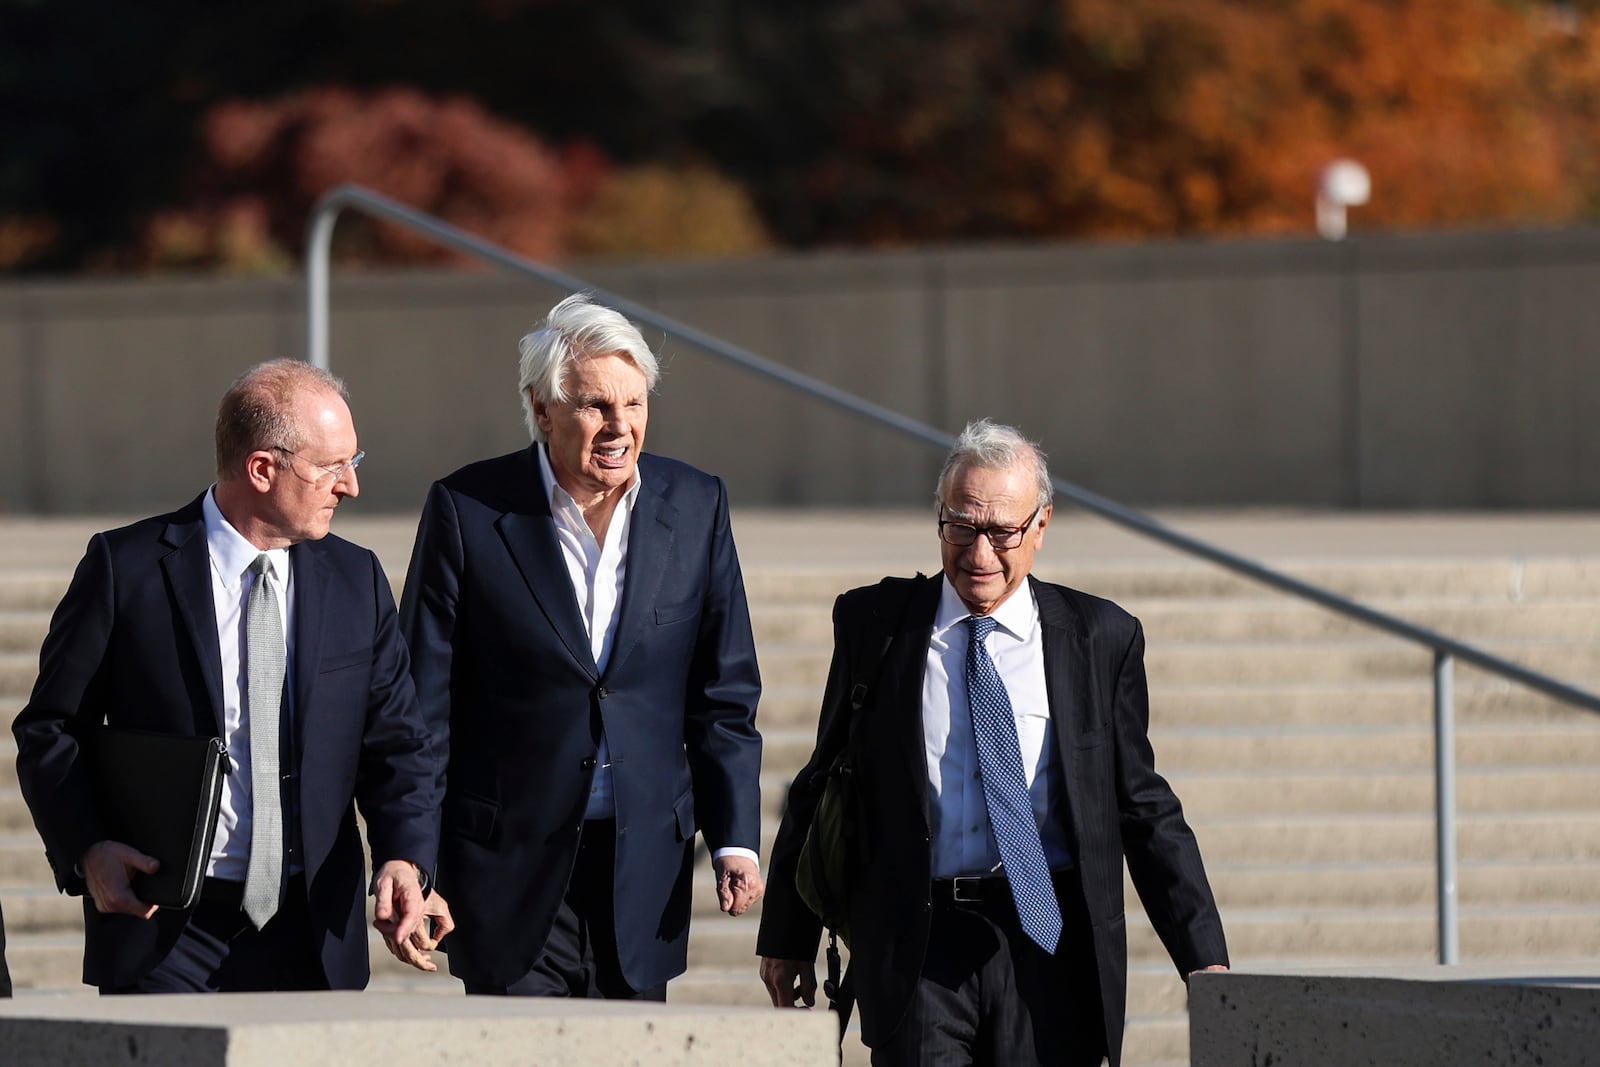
pixel 996 731
pixel 239 617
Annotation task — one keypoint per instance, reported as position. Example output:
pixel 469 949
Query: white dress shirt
pixel 961 840
pixel 231 557
pixel 597 572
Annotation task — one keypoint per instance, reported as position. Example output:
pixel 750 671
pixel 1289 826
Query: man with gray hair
pixel 995 731
pixel 581 644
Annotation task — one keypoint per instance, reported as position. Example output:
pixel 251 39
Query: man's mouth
pixel 611 457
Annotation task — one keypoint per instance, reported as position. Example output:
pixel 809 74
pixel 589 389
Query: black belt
pixel 982 889
pixel 227 894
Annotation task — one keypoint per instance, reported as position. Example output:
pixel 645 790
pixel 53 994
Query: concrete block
pixel 1404 1017
pixel 329 1029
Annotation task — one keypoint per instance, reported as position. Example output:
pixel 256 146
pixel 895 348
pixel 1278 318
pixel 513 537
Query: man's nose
pixel 348 483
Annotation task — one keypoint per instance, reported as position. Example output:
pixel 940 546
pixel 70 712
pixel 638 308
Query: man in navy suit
pixel 997 731
pixel 164 627
pixel 580 640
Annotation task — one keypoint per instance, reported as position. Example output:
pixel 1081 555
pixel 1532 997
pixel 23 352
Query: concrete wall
pixel 1422 371
pixel 1477 1013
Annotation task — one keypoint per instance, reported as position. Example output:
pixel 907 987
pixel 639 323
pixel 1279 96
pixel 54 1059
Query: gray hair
pixel 575 329
pixel 257 412
pixel 993 446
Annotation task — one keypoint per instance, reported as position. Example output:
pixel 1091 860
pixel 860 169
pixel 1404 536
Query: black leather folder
pixel 161 793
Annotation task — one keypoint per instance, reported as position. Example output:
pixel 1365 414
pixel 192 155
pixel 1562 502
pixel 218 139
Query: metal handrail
pixel 1446 650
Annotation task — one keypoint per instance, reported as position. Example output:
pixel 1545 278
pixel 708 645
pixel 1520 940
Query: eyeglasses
pixel 329 470
pixel 962 534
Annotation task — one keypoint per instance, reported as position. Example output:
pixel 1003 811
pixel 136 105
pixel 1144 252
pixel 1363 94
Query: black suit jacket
pixel 503 668
pixel 1117 807
pixel 134 644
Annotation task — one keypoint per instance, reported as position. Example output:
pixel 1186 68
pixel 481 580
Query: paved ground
pixel 904 541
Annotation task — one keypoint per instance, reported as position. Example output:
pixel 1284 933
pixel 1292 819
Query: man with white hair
pixel 995 728
pixel 581 643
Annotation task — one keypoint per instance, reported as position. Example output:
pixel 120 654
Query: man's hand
pixel 739 883
pixel 790 983
pixel 1213 967
pixel 108 868
pixel 415 950
pixel 397 911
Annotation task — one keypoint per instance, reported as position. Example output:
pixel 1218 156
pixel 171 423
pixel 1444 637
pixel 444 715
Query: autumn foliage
pixel 561 128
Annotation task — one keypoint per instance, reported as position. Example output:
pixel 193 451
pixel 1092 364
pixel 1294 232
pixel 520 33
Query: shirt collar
pixel 1017 615
pixel 231 554
pixel 561 499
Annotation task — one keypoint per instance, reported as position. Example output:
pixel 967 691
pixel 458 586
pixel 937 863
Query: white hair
pixel 577 328
pixel 991 445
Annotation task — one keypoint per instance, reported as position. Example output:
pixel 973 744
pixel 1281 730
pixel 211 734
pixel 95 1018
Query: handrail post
pixel 319 244
pixel 1444 779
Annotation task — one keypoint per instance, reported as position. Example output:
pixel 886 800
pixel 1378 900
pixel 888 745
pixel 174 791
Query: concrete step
pixel 1276 618
pixel 1361 580
pixel 1357 790
pixel 1389 935
pixel 1340 702
pixel 1208 795
pixel 1395 884
pixel 23 630
pixel 786 750
pixel 1521 836
pixel 1251 662
pixel 34 589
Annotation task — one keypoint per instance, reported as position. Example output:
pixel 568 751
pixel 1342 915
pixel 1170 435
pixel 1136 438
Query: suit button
pixel 586 764
pixel 601 692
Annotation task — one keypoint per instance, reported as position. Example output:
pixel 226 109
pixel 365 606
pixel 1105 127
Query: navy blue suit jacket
pixel 505 676
pixel 1117 808
pixel 134 644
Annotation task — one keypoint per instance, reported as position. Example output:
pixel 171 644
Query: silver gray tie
pixel 264 671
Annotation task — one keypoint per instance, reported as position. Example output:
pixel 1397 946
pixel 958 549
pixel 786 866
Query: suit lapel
pixel 309 576
pixel 188 572
pixel 529 533
pixel 650 538
pixel 901 680
pixel 1066 679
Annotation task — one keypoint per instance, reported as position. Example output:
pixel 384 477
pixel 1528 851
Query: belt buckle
pixel 966 890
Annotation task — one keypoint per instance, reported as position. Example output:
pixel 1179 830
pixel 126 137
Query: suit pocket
pixel 472 817
pixel 683 814
pixel 667 614
pixel 344 661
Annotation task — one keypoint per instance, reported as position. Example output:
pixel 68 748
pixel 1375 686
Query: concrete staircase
pixel 1300 744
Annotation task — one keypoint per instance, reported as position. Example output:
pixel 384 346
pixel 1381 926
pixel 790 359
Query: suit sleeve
pixel 398 788
pixel 428 615
pixel 1162 854
pixel 789 929
pixel 62 708
pixel 723 747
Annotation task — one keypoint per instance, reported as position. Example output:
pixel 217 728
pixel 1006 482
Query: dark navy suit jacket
pixel 1117 808
pixel 505 675
pixel 134 644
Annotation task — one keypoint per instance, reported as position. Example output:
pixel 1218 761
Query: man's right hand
pixel 790 983
pixel 108 868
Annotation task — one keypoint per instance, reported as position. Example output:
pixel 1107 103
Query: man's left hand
pixel 739 883
pixel 1213 967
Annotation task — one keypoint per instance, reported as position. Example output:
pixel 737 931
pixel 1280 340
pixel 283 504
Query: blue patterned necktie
pixel 1005 791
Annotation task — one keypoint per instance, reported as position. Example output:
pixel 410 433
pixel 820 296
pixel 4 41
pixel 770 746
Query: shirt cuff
pixel 734 850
